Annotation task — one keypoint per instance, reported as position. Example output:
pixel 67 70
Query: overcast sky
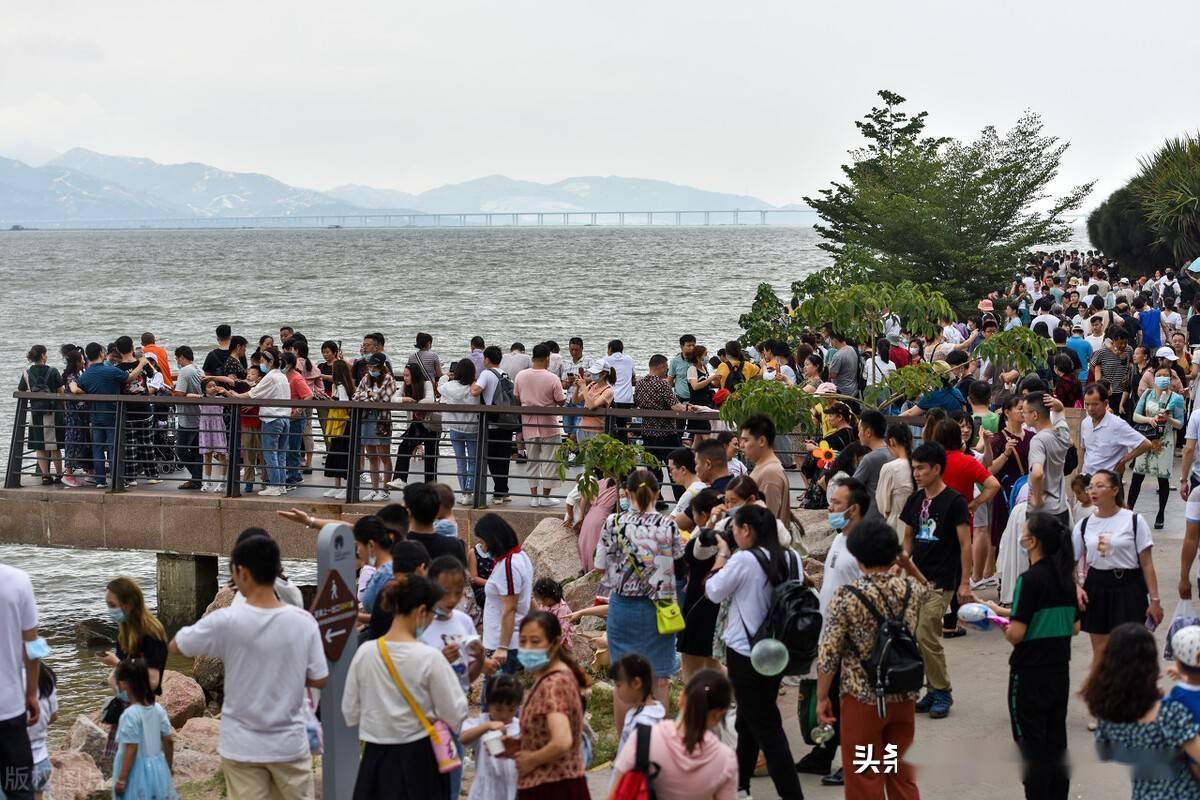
pixel 731 96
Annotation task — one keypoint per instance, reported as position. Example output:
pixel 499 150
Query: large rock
pixel 89 738
pixel 817 533
pixel 193 765
pixel 74 777
pixel 182 697
pixel 581 592
pixel 209 672
pixel 199 734
pixel 554 550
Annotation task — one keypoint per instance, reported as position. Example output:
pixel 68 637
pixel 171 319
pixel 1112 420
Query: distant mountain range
pixel 84 185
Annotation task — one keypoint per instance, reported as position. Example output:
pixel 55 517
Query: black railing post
pixel 353 468
pixel 116 481
pixel 610 424
pixel 233 461
pixel 16 449
pixel 481 450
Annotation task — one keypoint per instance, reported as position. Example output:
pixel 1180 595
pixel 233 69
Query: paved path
pixel 969 755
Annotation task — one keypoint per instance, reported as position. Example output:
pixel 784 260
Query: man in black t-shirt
pixel 937 536
pixel 214 362
pixel 423 503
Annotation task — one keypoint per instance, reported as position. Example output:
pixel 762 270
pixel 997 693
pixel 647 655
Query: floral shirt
pixel 637 552
pixel 555 692
pixel 381 392
pixel 849 632
pixel 656 394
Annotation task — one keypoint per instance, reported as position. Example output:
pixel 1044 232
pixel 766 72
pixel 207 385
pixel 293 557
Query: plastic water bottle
pixel 821 734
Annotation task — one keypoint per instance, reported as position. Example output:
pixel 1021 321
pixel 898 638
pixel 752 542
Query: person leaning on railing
pixel 274 419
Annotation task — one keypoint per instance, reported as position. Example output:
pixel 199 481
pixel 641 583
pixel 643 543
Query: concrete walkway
pixel 970 755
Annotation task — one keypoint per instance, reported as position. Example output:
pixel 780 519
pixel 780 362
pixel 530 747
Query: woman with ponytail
pixel 550 754
pixel 1039 669
pixel 637 550
pixel 400 758
pixel 694 764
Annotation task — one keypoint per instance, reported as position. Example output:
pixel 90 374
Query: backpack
pixel 793 617
pixel 638 783
pixel 735 378
pixel 40 384
pixel 503 396
pixel 1169 292
pixel 894 665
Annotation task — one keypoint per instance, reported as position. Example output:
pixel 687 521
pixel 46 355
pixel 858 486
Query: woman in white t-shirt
pixel 507 592
pixel 1121 585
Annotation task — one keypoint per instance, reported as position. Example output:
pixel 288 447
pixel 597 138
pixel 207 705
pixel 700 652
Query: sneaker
pixel 535 502
pixel 924 704
pixel 506 498
pixel 497 499
pixel 835 779
pixel 382 496
pixel 338 494
pixel 329 493
pixel 984 583
pixel 70 480
pixel 744 794
pixel 204 487
pixel 248 488
pixel 364 479
pixel 818 761
pixel 191 486
pixel 550 502
pixel 154 481
pixel 291 487
pixel 271 491
pixel 130 484
pixel 101 485
pixel 940 708
pixel 465 499
pixel 397 484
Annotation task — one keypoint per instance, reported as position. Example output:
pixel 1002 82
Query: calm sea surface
pixel 644 286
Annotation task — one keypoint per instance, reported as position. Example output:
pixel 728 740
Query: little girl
pixel 635 691
pixel 48 704
pixel 142 769
pixel 495 778
pixel 480 565
pixel 213 446
pixel 547 593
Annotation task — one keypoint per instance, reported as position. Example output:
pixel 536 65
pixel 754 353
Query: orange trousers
pixel 865 739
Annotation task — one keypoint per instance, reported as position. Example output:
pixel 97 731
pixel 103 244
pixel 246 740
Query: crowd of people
pixel 988 492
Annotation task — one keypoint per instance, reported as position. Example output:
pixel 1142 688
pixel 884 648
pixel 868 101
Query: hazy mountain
pixel 370 197
pixel 29 194
pixel 586 193
pixel 204 190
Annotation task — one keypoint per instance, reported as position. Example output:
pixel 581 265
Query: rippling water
pixel 645 286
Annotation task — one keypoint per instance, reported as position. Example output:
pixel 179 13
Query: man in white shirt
pixel 574 368
pixel 681 466
pixel 274 419
pixel 623 388
pixel 18 681
pixel 1108 441
pixel 272 653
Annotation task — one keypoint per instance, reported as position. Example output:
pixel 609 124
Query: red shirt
pixel 300 390
pixel 963 472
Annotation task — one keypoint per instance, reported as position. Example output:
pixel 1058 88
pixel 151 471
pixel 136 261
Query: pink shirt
pixel 710 770
pixel 539 387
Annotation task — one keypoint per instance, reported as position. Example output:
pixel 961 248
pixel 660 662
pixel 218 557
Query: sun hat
pixel 827 388
pixel 985 305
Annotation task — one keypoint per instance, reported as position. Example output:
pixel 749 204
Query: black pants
pixel 621 424
pixel 760 727
pixel 660 447
pixel 139 448
pixel 16 759
pixel 500 450
pixel 1037 708
pixel 187 448
pixel 417 434
pixel 1164 492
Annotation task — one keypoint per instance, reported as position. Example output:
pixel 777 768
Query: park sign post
pixel 335 608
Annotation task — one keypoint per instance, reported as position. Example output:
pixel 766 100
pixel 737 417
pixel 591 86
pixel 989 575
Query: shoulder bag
pixel 439 731
pixel 1151 430
pixel 667 613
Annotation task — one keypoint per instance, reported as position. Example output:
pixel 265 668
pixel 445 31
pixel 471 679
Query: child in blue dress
pixel 145 746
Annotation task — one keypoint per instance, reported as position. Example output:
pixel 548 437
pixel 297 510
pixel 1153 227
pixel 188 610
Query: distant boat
pixel 334 227
pixel 18 228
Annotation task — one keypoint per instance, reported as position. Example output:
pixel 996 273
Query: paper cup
pixel 494 742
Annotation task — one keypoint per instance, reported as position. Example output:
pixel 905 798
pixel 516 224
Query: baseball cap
pixel 1185 644
pixel 376 359
pixel 1166 352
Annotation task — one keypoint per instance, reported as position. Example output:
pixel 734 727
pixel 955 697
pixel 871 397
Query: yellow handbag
pixel 667 613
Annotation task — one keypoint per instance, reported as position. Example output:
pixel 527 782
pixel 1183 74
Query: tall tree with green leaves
pixel 958 215
pixel 1168 188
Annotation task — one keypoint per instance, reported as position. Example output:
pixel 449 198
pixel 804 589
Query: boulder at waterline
pixel 89 738
pixel 75 775
pixel 554 550
pixel 182 698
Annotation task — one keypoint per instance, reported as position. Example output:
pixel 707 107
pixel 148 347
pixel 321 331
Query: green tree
pixel 958 215
pixel 1168 188
pixel 1120 228
pixel 768 318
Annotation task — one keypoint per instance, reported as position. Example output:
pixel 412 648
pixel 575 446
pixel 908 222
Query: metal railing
pixel 128 438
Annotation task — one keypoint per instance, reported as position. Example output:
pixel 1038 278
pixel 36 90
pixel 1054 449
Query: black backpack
pixel 894 665
pixel 504 396
pixel 735 378
pixel 793 618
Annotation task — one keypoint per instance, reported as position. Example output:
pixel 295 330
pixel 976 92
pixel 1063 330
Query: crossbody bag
pixel 438 730
pixel 667 613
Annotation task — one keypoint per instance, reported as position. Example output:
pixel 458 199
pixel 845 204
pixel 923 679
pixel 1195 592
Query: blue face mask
pixel 532 660
pixel 116 615
pixel 1162 382
pixel 837 520
pixel 123 696
pixel 420 631
pixel 624 503
pixel 37 650
pixel 375 373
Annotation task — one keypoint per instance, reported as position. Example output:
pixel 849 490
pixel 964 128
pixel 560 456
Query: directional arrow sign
pixel 335 609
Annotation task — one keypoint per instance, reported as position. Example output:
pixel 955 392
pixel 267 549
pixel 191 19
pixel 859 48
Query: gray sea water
pixel 644 286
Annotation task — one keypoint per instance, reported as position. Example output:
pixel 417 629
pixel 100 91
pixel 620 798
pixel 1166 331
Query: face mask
pixel 37 649
pixel 532 660
pixel 837 520
pixel 375 373
pixel 371 560
pixel 421 630
pixel 123 696
pixel 116 615
pixel 1162 382
pixel 624 504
